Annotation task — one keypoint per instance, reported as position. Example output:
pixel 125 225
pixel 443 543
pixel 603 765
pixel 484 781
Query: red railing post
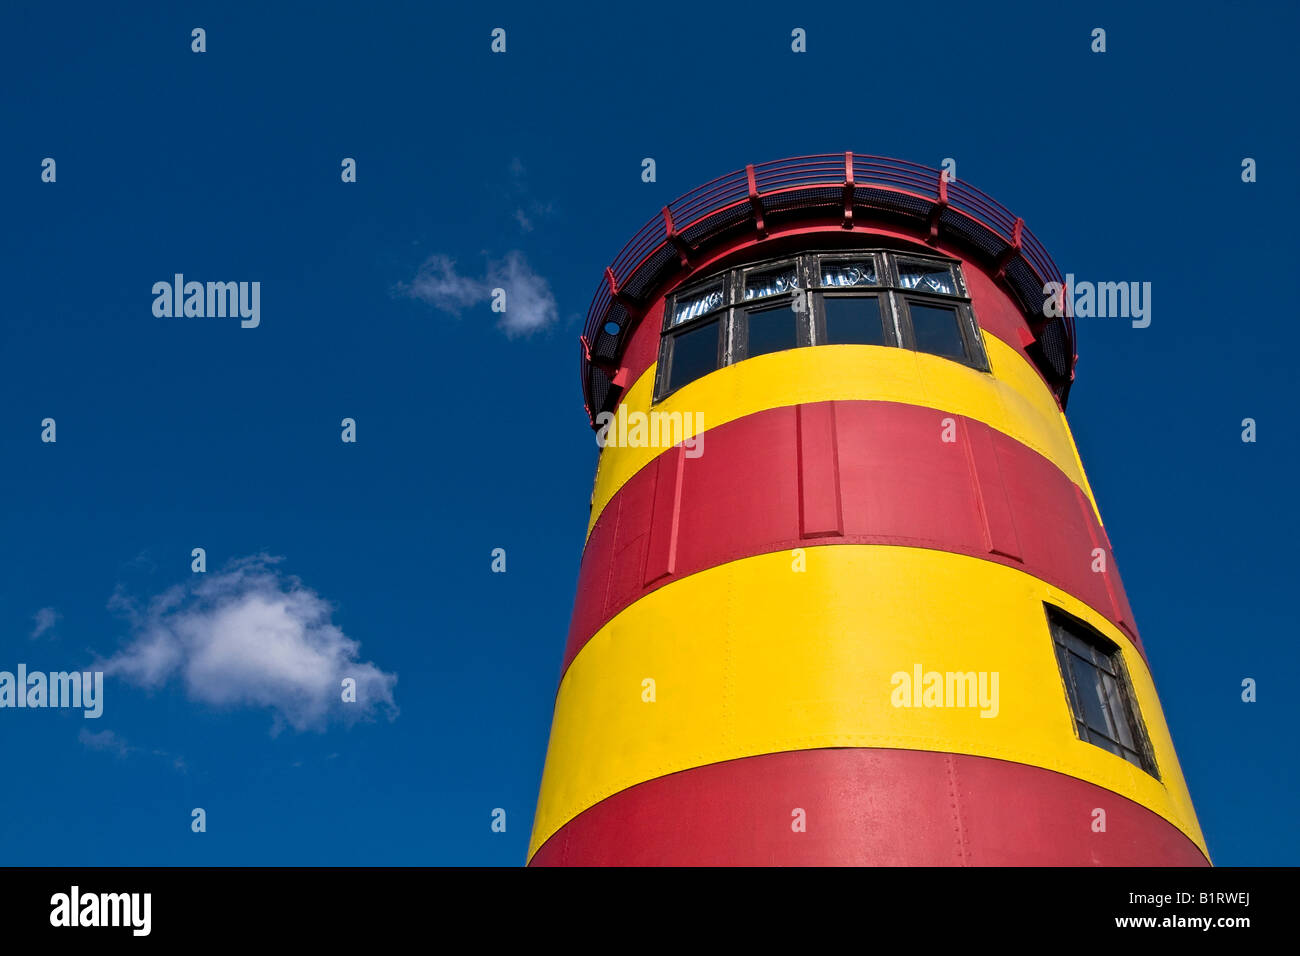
pixel 755 201
pixel 670 230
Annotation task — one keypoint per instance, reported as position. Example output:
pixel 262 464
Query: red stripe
pixel 849 472
pixel 867 807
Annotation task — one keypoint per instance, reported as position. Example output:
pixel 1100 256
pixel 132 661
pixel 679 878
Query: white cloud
pixel 45 620
pixel 251 636
pixel 439 284
pixel 530 304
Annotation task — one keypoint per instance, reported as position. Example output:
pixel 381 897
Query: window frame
pixel 667 351
pixel 810 329
pixel 742 307
pixel 1126 699
pixel 881 295
pixel 967 327
pixel 896 274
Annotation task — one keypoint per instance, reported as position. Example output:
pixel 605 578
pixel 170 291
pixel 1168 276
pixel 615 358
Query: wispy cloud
pixel 251 636
pixel 104 740
pixel 45 620
pixel 528 210
pixel 108 741
pixel 529 305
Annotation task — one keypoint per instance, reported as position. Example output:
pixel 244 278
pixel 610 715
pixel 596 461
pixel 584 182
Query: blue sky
pixel 183 433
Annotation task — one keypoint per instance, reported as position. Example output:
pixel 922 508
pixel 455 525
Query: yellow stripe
pixel 1013 399
pixel 752 657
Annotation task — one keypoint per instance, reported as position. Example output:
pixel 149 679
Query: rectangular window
pixel 772 280
pixel 853 320
pixel 1100 695
pixel 933 278
pixel 771 329
pixel 937 329
pixel 696 303
pixel 692 354
pixel 841 273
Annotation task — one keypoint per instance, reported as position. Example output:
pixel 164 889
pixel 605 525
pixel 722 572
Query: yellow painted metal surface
pixel 755 657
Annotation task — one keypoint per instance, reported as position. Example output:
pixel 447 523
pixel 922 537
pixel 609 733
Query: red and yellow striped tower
pixel 866 613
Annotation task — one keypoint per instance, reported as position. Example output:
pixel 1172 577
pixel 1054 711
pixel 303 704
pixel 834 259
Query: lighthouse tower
pixel 846 596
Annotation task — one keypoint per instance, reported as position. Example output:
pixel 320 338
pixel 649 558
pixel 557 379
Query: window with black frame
pixel 849 308
pixel 935 320
pixel 1100 695
pixel 693 339
pixel 864 297
pixel 766 318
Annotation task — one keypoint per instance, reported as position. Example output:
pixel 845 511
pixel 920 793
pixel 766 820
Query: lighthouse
pixel 846 597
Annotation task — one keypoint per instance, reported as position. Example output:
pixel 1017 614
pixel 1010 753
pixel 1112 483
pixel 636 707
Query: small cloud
pixel 530 304
pixel 441 286
pixel 45 620
pixel 251 636
pixel 105 740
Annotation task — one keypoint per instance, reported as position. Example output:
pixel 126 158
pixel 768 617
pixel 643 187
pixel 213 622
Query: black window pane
pixel 1091 696
pixel 1082 648
pixel 694 353
pixel 771 330
pixel 853 320
pixel 936 330
pixel 1118 711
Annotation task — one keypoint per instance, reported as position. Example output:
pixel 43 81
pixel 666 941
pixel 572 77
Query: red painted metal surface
pixel 867 807
pixel 851 472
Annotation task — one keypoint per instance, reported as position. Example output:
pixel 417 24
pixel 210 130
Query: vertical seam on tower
pixel 955 801
pixel 728 666
pixel 609 571
pixel 980 506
